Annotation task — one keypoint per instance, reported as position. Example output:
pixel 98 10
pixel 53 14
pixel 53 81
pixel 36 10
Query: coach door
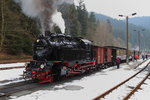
pixel 114 55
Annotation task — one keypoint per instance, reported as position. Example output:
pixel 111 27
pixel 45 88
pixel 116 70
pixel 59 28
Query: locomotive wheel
pixel 98 68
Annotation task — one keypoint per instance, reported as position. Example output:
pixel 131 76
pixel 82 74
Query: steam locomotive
pixel 58 56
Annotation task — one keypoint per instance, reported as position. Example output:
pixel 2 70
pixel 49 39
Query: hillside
pixel 141 21
pixel 18 30
pixel 119 30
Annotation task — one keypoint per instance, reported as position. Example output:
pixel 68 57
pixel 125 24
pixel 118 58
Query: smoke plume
pixel 44 10
pixel 59 21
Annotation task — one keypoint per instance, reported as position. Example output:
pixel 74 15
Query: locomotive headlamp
pixel 37 41
pixel 26 64
pixel 42 66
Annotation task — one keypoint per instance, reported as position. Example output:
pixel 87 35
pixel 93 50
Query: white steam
pixel 45 11
pixel 59 21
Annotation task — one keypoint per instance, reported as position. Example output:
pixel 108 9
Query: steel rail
pixel 6 68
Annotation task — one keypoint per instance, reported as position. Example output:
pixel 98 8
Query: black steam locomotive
pixel 59 55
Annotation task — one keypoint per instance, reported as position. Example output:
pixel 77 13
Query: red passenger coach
pixel 103 56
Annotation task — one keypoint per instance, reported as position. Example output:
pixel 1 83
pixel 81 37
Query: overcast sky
pixel 115 7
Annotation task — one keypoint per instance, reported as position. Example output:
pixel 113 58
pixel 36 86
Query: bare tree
pixel 104 34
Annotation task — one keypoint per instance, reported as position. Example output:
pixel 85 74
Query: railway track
pixel 8 90
pixel 129 84
pixel 6 68
pixel 140 64
pixel 137 87
pixel 14 61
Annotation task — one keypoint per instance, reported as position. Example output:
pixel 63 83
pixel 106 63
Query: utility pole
pixel 139 36
pixel 2 22
pixel 127 35
pixel 139 39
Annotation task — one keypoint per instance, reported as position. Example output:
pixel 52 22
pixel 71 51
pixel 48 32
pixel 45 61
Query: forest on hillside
pixel 18 32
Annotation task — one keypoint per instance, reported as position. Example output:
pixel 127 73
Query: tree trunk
pixel 2 28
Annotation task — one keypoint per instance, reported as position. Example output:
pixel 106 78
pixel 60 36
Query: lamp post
pixel 127 35
pixel 139 39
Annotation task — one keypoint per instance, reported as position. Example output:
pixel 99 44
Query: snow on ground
pixel 144 93
pixel 88 87
pixel 12 65
pixel 10 76
pixel 122 91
